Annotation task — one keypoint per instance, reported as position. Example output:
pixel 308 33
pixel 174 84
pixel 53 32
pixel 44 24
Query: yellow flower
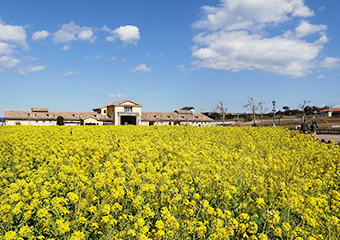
pixel 263 236
pixel 252 227
pixel 278 232
pixel 286 226
pixel 63 227
pixel 92 209
pixel 159 224
pixel 73 197
pixel 11 235
pixel 24 231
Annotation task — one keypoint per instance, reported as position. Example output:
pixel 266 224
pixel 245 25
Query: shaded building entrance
pixel 128 120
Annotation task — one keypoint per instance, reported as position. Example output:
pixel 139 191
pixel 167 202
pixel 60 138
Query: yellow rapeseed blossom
pixel 167 182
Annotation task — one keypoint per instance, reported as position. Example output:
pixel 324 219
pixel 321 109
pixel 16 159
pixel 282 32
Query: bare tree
pixel 223 111
pixel 263 109
pixel 302 108
pixel 253 107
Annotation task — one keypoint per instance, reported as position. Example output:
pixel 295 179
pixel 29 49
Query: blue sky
pixel 78 55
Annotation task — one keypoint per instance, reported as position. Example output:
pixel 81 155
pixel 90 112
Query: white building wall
pixel 31 122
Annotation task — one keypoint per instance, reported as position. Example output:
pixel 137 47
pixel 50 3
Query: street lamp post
pixel 274 110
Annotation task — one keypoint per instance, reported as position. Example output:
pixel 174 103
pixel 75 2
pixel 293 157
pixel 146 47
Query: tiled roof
pixel 174 116
pixel 331 110
pixel 118 103
pixel 50 115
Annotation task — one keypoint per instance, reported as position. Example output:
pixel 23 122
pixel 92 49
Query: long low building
pixel 117 113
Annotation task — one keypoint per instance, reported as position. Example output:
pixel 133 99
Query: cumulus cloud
pixel 72 32
pixel 321 76
pixel 233 37
pixel 8 63
pixel 13 35
pixel 35 69
pixel 70 73
pixel 141 68
pixel 40 35
pixel 305 29
pixel 66 47
pixel 128 34
pixel 12 43
pixel 106 29
pixel 330 63
pixel 6 49
pixel 249 14
pixel 111 95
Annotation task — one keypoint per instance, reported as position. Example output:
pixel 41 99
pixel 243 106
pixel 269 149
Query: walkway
pixel 327 137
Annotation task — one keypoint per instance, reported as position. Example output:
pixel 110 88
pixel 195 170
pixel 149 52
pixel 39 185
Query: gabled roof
pixel 119 103
pixel 50 115
pixel 174 116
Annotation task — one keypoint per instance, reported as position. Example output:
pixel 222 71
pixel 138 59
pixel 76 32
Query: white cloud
pixel 233 37
pixel 239 50
pixel 127 34
pixel 71 32
pixel 141 68
pixel 305 29
pixel 321 76
pixel 66 47
pixel 6 49
pixel 112 58
pixel 87 35
pixel 111 95
pixel 330 63
pixel 12 42
pixel 181 68
pixel 40 35
pixel 106 29
pixel 35 69
pixel 13 35
pixel 247 14
pixel 70 73
pixel 8 63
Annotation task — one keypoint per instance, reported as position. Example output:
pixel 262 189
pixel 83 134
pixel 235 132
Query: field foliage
pixel 167 182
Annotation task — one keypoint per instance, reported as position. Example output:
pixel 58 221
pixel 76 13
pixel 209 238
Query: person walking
pixel 304 127
pixel 313 127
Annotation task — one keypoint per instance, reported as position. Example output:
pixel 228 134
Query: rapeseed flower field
pixel 167 182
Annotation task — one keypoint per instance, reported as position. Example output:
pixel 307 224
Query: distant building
pixel 335 112
pixel 117 113
pixel 178 117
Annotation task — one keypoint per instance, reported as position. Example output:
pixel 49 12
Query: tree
pixel 263 110
pixel 286 108
pixel 187 108
pixel 302 106
pixel 60 120
pixel 223 110
pixel 252 107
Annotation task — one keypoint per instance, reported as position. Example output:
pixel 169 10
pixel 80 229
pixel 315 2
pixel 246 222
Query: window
pixel 104 111
pixel 76 115
pixel 127 109
pixel 32 115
